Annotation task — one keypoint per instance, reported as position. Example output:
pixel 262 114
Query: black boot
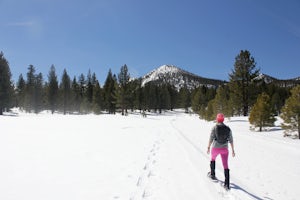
pixel 212 170
pixel 227 179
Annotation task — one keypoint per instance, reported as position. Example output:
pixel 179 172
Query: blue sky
pixel 200 36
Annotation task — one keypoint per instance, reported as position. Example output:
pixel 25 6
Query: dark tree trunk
pixel 245 110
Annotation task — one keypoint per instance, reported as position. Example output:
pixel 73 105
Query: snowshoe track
pixel 142 190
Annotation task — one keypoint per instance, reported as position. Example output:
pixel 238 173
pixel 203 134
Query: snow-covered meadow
pixel 162 157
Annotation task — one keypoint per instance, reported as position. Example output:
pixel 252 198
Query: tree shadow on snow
pixel 275 129
pixel 238 120
pixel 267 129
pixel 236 187
pixel 7 114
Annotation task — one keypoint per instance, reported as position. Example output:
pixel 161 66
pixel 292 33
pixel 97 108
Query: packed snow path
pixel 160 157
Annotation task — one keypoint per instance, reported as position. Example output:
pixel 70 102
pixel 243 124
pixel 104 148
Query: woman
pixel 219 138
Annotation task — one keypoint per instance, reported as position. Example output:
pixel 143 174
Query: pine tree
pixel 133 100
pixel 90 89
pixel 138 101
pixel 38 93
pixel 291 112
pixel 200 100
pixel 65 88
pixel 141 98
pixel 241 82
pixel 123 78
pixel 21 92
pixel 278 95
pixel 5 84
pixel 109 88
pixel 262 114
pixel 279 98
pixel 163 98
pixel 150 97
pixel 53 89
pixel 210 113
pixel 82 94
pixel 76 98
pixel 30 87
pixel 97 98
pixel 173 96
pixel 275 102
pixel 184 96
pixel 221 102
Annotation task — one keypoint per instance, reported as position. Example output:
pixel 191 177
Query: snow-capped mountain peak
pixel 158 73
pixel 167 69
pixel 177 77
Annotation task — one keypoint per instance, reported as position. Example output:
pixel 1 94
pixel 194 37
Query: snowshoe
pixel 226 187
pixel 212 177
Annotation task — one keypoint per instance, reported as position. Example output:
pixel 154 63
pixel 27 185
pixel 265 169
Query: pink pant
pixel 224 155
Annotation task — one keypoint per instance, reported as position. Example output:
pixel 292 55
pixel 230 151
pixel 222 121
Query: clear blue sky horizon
pixel 200 36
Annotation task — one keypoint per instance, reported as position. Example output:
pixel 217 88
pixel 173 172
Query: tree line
pixel 34 93
pixel 245 94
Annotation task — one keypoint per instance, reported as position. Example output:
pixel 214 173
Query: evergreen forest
pixel 244 94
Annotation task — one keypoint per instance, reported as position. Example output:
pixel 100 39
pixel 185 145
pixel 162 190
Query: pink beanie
pixel 220 118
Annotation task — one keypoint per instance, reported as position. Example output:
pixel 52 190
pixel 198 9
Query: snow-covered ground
pixel 161 157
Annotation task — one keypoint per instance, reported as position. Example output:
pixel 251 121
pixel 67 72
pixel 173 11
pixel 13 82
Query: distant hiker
pixel 219 138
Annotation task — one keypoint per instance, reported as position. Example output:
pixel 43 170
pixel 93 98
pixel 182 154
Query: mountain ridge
pixel 180 78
